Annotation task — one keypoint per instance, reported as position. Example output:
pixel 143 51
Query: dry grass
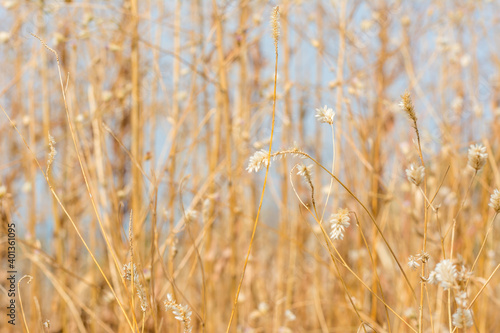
pixel 133 134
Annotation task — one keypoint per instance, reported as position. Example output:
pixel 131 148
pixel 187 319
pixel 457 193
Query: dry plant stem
pixel 458 212
pixel 450 327
pixel 429 203
pixel 430 309
pixel 235 304
pixel 284 214
pixel 484 286
pixel 132 267
pixel 329 245
pixel 371 218
pixel 137 135
pixel 374 269
pixel 224 107
pixel 71 301
pixel 490 227
pixel 333 171
pixel 480 291
pixel 21 300
pixel 198 256
pixel 130 155
pixel 73 136
pixel 411 114
pixel 71 220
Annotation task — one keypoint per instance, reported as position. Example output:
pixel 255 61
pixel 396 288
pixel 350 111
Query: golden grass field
pixel 250 166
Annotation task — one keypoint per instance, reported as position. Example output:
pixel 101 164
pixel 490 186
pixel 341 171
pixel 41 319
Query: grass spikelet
pixel 275 26
pixel 52 152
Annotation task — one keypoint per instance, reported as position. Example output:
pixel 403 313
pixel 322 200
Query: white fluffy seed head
pixel 339 222
pixel 495 201
pixel 181 313
pixel 415 174
pixel 462 318
pixel 477 156
pixel 446 274
pixel 325 115
pixel 258 160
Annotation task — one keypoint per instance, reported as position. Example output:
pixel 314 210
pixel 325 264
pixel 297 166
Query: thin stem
pixel 235 303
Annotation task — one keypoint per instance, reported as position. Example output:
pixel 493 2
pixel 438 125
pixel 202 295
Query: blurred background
pixel 167 100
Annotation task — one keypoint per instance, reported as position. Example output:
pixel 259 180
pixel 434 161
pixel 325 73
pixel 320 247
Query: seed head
pixel 325 115
pixel 407 106
pixel 181 312
pixel 462 318
pixel 258 160
pixel 52 153
pixel 446 274
pixel 306 172
pixel 477 156
pixel 339 222
pixel 275 25
pixel 413 262
pixel 415 174
pixel 495 201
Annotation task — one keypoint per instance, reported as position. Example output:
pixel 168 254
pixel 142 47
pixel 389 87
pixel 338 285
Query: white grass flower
pixel 413 262
pixel 462 318
pixel 339 222
pixel 306 173
pixel 127 272
pixel 461 299
pixel 303 170
pixel 258 160
pixel 477 156
pixel 463 275
pixel 495 201
pixel 181 312
pixel 415 174
pixel 432 278
pixel 127 275
pixel 325 115
pixel 446 274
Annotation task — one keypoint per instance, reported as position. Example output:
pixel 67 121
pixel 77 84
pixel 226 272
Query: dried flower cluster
pixel 339 222
pixel 495 201
pixel 305 171
pixel 415 174
pixel 260 158
pixel 462 318
pixel 477 156
pixel 127 275
pixel 414 261
pixel 325 115
pixel 181 312
pixel 449 277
